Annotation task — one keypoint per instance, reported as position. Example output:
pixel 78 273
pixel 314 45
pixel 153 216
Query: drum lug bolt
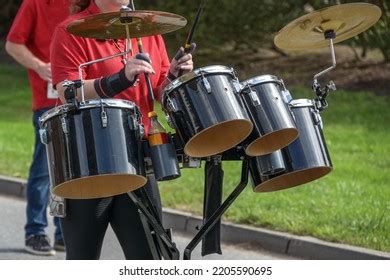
pixel 317 118
pixel 64 125
pixel 255 98
pixel 103 116
pixel 169 121
pixel 236 84
pixel 171 105
pixel 206 83
pixel 141 132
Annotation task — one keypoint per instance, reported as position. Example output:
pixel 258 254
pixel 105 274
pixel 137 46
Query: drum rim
pixel 262 187
pixel 142 179
pixel 261 79
pixel 303 102
pixel 87 104
pixel 211 69
pixel 207 129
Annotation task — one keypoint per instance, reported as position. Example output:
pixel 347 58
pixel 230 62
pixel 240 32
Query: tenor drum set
pixel 96 148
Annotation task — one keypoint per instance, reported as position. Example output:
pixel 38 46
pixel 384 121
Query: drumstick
pixel 188 47
pixel 142 56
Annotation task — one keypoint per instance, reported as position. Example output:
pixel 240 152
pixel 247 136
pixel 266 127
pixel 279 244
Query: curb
pixel 283 243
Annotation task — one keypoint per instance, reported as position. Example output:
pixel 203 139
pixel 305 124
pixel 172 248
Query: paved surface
pixel 282 243
pixel 12 217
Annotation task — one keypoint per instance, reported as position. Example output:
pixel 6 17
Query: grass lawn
pixel 351 205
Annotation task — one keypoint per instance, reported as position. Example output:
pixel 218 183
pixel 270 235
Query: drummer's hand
pixel 44 71
pixel 135 66
pixel 182 63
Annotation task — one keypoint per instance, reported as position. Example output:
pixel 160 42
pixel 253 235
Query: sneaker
pixel 39 245
pixel 59 245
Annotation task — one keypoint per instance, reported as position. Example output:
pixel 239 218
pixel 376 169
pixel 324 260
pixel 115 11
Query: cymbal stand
pixel 322 93
pixel 214 218
pixel 128 47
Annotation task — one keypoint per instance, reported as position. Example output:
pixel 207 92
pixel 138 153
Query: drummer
pixel 87 220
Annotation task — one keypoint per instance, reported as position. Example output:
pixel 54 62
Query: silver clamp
pixel 44 136
pixel 57 206
pixel 188 162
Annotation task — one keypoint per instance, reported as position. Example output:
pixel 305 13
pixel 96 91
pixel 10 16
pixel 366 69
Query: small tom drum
pixel 304 160
pixel 94 150
pixel 274 127
pixel 206 110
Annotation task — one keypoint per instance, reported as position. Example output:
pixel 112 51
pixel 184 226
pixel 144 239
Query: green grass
pixel 16 131
pixel 350 205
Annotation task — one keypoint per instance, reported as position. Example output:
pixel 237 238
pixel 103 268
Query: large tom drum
pixel 274 127
pixel 94 150
pixel 304 160
pixel 206 110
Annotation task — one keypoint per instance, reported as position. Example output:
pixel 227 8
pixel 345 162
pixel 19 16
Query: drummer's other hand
pixel 44 71
pixel 182 62
pixel 138 65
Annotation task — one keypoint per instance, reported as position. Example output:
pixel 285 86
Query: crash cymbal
pixel 112 25
pixel 346 20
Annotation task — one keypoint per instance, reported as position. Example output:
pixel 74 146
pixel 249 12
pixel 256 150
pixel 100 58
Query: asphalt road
pixel 12 219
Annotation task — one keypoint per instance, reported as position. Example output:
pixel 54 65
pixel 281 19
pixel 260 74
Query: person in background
pixel 28 42
pixel 87 220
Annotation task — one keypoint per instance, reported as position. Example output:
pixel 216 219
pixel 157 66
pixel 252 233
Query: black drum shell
pixel 274 127
pixel 80 148
pixel 305 160
pixel 192 108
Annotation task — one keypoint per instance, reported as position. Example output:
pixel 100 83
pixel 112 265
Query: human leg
pixel 84 227
pixel 37 186
pixel 127 224
pixel 37 197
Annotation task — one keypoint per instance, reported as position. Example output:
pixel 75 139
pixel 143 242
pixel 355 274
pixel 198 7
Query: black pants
pixel 87 220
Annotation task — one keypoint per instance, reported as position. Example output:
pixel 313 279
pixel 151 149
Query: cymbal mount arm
pixel 82 65
pixel 322 93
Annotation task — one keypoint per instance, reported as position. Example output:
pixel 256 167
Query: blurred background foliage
pixel 246 23
pixel 253 23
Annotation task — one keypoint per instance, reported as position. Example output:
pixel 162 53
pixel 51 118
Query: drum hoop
pixel 212 69
pixel 92 103
pixel 261 80
pixel 300 103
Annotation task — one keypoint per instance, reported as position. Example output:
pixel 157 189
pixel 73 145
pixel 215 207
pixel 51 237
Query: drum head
pixel 271 142
pixel 218 138
pixel 99 186
pixel 292 179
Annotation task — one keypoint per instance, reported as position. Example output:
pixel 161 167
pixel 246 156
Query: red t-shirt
pixel 69 51
pixel 33 27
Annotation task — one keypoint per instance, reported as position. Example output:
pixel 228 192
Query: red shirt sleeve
pixel 24 23
pixel 65 63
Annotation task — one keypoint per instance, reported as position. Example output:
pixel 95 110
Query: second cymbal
pixel 112 25
pixel 346 20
